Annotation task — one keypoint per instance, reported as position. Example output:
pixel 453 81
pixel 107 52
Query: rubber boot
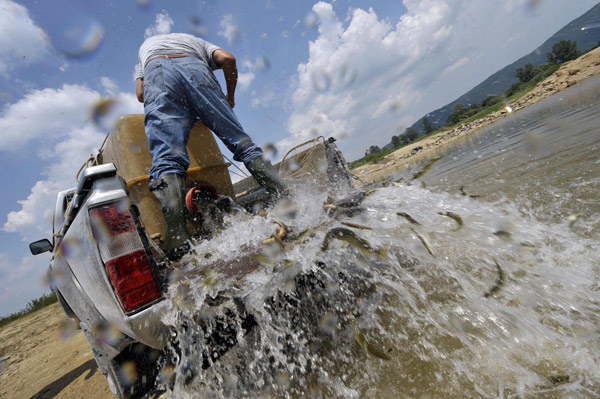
pixel 169 189
pixel 266 175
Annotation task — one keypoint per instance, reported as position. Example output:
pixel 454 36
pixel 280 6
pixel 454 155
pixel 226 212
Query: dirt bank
pixel 49 360
pixel 569 74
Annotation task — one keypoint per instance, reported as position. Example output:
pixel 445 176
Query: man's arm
pixel 226 60
pixel 139 89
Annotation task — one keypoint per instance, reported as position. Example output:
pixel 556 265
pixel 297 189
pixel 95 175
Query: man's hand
pixel 139 89
pixel 226 60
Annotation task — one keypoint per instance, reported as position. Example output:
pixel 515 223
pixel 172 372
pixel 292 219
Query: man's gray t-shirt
pixel 175 43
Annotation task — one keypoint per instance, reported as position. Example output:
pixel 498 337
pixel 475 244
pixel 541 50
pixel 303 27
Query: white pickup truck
pixel 107 268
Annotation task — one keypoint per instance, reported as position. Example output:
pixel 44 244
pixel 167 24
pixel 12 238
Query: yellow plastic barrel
pixel 127 147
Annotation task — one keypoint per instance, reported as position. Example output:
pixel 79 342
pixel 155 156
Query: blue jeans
pixel 177 93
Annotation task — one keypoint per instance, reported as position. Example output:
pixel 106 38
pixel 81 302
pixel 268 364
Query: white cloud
pixel 162 25
pixel 245 79
pixel 263 99
pixel 367 75
pixel 59 119
pixel 46 114
pixel 229 29
pixel 21 41
pixel 458 64
pixel 20 281
pixel 109 85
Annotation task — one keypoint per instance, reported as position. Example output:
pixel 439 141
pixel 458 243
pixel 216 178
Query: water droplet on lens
pixel 282 379
pixel 166 374
pixel 77 36
pixel 270 151
pixel 67 329
pixel 135 149
pixel 394 107
pixel 106 112
pixel 123 205
pixel 322 165
pixel 4 360
pixel 532 5
pixel 198 27
pixel 263 63
pixel 328 323
pixel 101 231
pixel 175 276
pixel 347 74
pixel 321 80
pixel 311 20
pixel 293 164
pixel 108 333
pixel 533 142
pixel 128 373
pixel 71 248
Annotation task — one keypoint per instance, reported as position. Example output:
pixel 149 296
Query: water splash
pixel 350 323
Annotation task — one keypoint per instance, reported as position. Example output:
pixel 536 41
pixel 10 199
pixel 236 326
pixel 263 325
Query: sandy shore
pixel 569 74
pixel 48 360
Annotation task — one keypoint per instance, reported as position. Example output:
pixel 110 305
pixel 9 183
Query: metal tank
pixel 127 147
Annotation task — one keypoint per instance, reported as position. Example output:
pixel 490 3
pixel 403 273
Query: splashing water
pixel 393 320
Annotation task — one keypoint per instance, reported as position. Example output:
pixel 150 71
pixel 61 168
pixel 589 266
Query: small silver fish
pixel 357 226
pixel 426 167
pixel 463 192
pixel 455 217
pixel 503 234
pixel 499 281
pixel 559 379
pixel 351 200
pixel 369 348
pixel 408 217
pixel 425 242
pixel 572 219
pixel 347 235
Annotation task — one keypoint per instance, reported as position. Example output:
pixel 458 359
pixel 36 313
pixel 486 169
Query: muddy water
pixel 545 158
pixel 489 295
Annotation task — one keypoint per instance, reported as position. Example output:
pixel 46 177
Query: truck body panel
pixel 117 179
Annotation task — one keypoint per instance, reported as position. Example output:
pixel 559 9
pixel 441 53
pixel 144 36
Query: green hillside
pixel 502 80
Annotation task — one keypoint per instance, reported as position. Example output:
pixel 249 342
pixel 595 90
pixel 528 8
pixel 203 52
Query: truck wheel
pixel 132 374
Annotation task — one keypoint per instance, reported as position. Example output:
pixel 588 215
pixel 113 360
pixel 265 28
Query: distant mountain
pixel 503 79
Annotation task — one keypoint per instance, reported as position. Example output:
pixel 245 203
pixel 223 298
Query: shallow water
pixel 505 305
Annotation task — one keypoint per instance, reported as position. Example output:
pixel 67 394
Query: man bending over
pixel 175 81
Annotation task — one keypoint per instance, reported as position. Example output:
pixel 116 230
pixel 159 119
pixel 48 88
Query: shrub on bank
pixel 32 306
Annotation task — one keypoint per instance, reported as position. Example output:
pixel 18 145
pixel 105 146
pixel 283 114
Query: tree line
pixel 528 76
pixel 32 306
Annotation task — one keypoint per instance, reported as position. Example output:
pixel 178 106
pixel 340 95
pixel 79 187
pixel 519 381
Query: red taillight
pixel 122 252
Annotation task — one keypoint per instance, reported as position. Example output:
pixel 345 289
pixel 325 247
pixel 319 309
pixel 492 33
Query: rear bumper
pixel 147 326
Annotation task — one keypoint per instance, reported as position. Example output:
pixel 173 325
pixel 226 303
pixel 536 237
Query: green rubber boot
pixel 266 175
pixel 169 189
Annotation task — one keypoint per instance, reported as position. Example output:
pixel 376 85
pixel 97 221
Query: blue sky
pixel 358 70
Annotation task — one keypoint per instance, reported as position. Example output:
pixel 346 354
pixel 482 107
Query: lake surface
pixel 489 291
